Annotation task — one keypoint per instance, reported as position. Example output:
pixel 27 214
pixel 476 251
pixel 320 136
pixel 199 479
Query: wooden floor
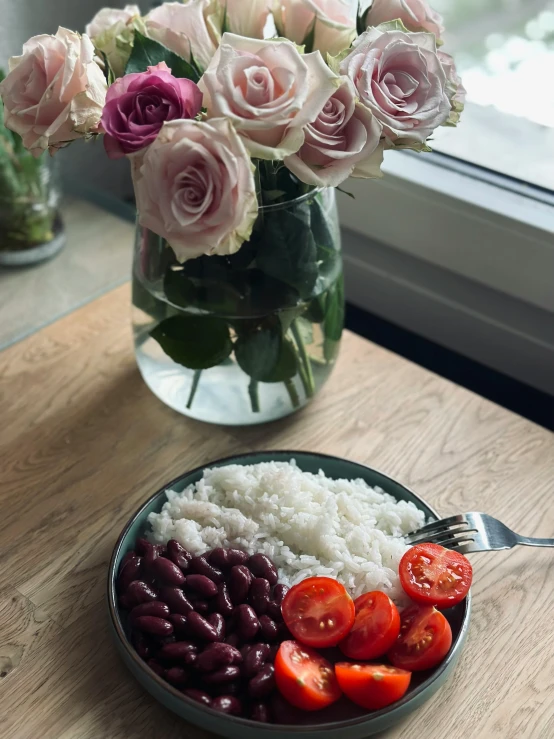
pixel 83 442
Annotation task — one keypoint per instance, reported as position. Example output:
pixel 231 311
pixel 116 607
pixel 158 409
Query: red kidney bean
pixel 274 611
pixel 237 557
pixel 255 659
pixel 268 629
pixel 239 583
pixel 263 683
pixel 261 566
pixel 153 608
pixel 200 605
pixel 235 687
pixel 218 557
pixel 141 645
pixel 218 655
pixel 130 555
pixel 218 622
pixel 177 651
pixel 161 549
pixel 161 641
pixel 247 622
pixel 176 676
pixel 198 695
pixel 245 649
pixel 227 704
pixel 167 572
pixel 125 603
pixel 139 592
pixel 143 546
pixel 201 566
pixel 178 554
pixel 199 627
pixel 153 625
pixel 279 592
pixel 223 675
pixel 273 649
pixel 149 558
pixel 179 623
pixel 258 595
pixel 190 659
pixel 232 639
pixel 260 712
pixel 222 602
pixel 176 600
pixel 202 585
pixel 154 665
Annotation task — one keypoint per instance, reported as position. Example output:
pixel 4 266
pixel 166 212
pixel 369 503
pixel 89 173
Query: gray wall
pixel 21 19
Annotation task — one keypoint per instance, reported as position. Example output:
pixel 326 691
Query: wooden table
pixel 83 442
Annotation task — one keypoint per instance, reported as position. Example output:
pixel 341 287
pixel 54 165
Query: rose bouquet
pixel 238 118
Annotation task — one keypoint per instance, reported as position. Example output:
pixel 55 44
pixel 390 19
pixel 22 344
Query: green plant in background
pixel 26 216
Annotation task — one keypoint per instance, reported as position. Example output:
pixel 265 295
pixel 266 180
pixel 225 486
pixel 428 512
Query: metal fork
pixel 472 532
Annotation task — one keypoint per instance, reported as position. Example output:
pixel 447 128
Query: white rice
pixel 310 525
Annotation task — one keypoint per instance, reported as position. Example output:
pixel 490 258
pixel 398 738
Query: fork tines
pixel 449 532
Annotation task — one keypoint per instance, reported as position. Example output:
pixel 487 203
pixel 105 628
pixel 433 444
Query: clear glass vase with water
pixel 247 338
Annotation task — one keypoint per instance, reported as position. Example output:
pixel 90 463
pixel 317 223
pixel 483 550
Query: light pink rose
pixel 246 18
pixel 343 141
pixel 454 87
pixel 111 31
pixel 195 188
pixel 191 27
pixel 335 23
pixel 268 90
pixel 54 92
pixel 400 78
pixel 416 15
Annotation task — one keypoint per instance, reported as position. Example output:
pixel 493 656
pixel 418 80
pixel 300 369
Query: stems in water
pixel 195 381
pixel 253 392
pixel 293 394
pixel 306 374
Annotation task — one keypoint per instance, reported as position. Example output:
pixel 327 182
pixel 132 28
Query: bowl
pixel 343 719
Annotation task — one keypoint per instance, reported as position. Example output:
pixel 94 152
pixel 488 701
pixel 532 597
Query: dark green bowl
pixel 342 720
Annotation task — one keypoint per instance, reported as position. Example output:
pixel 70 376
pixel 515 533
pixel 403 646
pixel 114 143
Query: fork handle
pixel 530 542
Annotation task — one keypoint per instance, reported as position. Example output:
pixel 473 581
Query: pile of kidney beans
pixel 210 625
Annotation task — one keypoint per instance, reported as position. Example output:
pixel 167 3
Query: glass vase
pixel 31 228
pixel 247 338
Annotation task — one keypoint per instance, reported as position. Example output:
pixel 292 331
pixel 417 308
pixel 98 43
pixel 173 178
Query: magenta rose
pixel 137 106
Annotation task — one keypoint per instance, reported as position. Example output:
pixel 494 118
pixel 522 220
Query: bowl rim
pixel 266 728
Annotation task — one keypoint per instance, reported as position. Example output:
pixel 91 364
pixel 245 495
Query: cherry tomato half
pixel 375 629
pixel 372 686
pixel 305 678
pixel 424 640
pixel 435 576
pixel 318 612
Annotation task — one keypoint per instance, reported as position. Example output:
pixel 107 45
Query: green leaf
pixel 288 250
pixel 361 24
pixel 148 53
pixel 266 356
pixel 334 316
pixel 316 309
pixel 108 71
pixel 308 42
pixel 196 342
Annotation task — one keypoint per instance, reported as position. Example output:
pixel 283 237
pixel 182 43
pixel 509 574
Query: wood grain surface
pixel 83 442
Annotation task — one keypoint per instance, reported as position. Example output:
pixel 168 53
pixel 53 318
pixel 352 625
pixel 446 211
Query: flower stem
pixel 254 396
pixel 195 381
pixel 306 374
pixel 293 394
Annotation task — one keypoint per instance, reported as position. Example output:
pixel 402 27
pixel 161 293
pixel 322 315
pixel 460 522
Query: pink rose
pixel 399 77
pixel 343 141
pixel 246 18
pixel 137 106
pixel 189 28
pixel 111 31
pixel 333 22
pixel 268 90
pixel 456 91
pixel 196 188
pixel 54 92
pixel 416 15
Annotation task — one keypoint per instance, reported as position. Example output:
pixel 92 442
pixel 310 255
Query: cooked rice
pixel 310 525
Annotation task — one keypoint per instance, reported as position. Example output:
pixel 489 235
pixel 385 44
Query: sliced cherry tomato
pixel 372 686
pixel 318 611
pixel 424 640
pixel 375 629
pixel 435 576
pixel 305 678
